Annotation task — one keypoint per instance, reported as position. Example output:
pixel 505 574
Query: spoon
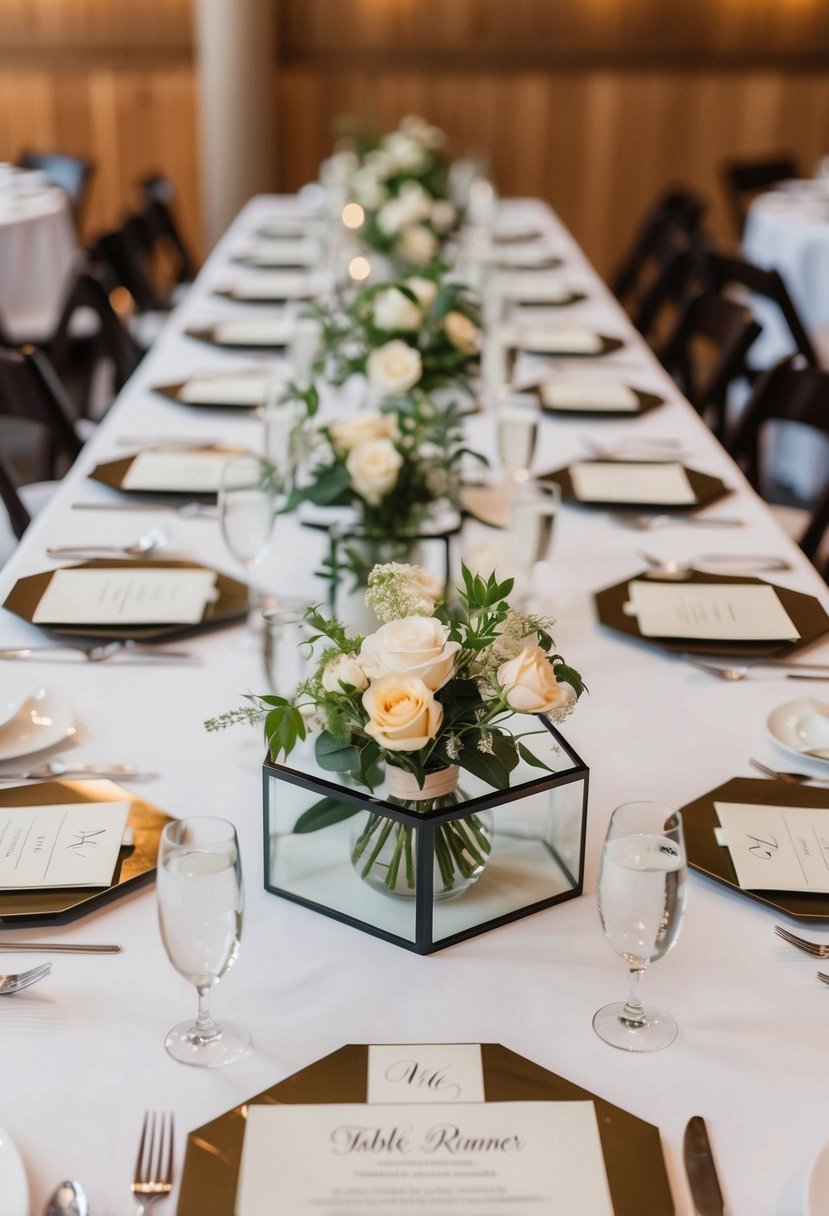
pixel 738 562
pixel 68 1200
pixel 150 542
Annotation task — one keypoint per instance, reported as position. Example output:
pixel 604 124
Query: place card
pixel 603 396
pixel 628 481
pixel 118 595
pixel 287 251
pixel 224 390
pixel 535 290
pixel 62 845
pixel 279 285
pixel 777 848
pixel 562 340
pixel 425 1072
pixel 354 1159
pixel 723 612
pixel 192 472
pixel 254 331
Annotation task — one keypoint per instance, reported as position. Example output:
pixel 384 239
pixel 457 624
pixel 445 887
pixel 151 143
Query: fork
pixel 187 510
pixel 823 977
pixel 59 768
pixel 810 671
pixel 800 943
pixel 723 561
pixel 788 778
pixel 644 523
pixel 97 654
pixel 154 1165
pixel 23 979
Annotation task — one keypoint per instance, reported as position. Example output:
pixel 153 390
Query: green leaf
pixel 333 756
pixel 527 756
pixel 569 675
pixel 487 768
pixel 505 749
pixel 283 726
pixel 324 814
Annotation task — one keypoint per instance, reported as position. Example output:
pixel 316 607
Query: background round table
pixel 38 247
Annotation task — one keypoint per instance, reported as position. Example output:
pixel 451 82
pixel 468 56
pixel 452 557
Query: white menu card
pixel 628 481
pixel 563 340
pixel 279 285
pixel 726 612
pixel 603 396
pixel 777 848
pixel 425 1072
pixel 193 472
pixel 499 1158
pixel 254 331
pixel 121 596
pixel 282 251
pixel 224 390
pixel 61 845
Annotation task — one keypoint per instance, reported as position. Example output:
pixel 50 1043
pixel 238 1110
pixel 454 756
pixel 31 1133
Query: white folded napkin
pixel 599 395
pixel 224 390
pixel 561 340
pixel 254 331
pixel 279 285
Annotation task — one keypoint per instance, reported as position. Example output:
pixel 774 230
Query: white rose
pixel 373 468
pixel 366 188
pixel 411 206
pixel 529 682
pixel 403 713
pixel 415 645
pixel 425 289
pixel 395 311
pixel 407 153
pixel 344 669
pixel 418 245
pixel 337 169
pixel 381 163
pixel 444 215
pixel 462 333
pixel 429 585
pixel 362 427
pixel 394 368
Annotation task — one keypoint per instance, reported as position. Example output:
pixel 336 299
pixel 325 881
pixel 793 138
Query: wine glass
pixel 200 900
pixel 641 904
pixel 517 418
pixel 532 516
pixel 247 506
pixel 286 439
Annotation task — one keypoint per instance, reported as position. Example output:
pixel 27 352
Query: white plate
pixel 800 725
pixel 15 688
pixel 816 1195
pixel 14 1189
pixel 42 721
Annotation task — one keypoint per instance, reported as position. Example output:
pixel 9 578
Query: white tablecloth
pixel 82 1056
pixel 38 247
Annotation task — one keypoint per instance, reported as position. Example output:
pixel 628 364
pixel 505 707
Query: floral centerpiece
pixel 417 334
pixel 431 692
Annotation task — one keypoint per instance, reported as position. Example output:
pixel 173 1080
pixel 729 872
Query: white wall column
pixel 236 54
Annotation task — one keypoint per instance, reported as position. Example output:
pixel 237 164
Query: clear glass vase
pixel 384 851
pixel 353 556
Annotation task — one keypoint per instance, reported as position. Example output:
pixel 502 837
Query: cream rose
pixel 395 311
pixel 394 368
pixel 425 289
pixel 416 645
pixel 403 713
pixel 461 332
pixel 406 152
pixel 362 427
pixel 344 669
pixel 444 215
pixel 373 468
pixel 367 188
pixel 418 245
pixel 529 682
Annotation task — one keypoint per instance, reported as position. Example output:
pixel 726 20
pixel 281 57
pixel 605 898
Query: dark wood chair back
pixel 30 390
pixel 706 351
pixel 19 517
pixel 744 179
pixel 112 340
pixel 674 209
pixel 124 251
pixel 158 194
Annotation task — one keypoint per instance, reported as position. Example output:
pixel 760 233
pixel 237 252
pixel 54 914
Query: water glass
pixel 517 416
pixel 200 904
pixel 246 508
pixel 642 884
pixel 304 349
pixel 285 650
pixel 532 517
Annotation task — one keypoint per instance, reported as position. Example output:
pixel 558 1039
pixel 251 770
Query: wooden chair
pixel 18 517
pixel 109 340
pixel 668 276
pixel 722 271
pixel 31 390
pixel 790 392
pixel 123 252
pixel 158 194
pixel 706 352
pixel 744 179
pixel 676 209
pixel 72 173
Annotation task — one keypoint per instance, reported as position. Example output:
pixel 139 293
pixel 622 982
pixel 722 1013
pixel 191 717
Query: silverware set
pixel 778 667
pixel 813 949
pixel 153 1178
pixel 54 769
pixel 187 510
pixel 143 651
pixel 152 541
pixel 722 562
pixel 647 523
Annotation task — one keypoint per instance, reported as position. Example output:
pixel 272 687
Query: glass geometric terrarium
pixel 427 873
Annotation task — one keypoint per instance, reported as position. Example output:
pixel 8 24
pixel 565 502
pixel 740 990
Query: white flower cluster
pixel 397 590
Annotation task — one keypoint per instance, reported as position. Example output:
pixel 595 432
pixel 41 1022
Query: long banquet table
pixel 82 1055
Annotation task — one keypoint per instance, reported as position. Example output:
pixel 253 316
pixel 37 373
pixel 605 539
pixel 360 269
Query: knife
pixel 702 1175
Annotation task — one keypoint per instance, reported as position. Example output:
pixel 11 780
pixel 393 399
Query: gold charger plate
pixel 232 603
pixel 113 472
pixel 714 860
pixel 707 489
pixel 805 611
pixel 607 346
pixel 631 1147
pixel 207 333
pixel 645 403
pixel 136 863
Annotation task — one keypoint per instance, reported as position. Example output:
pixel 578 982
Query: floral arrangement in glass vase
pixel 417 334
pixel 430 692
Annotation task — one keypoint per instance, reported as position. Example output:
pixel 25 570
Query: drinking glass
pixel 285 651
pixel 246 508
pixel 532 515
pixel 200 900
pixel 517 419
pixel 641 904
pixel 285 440
pixel 304 349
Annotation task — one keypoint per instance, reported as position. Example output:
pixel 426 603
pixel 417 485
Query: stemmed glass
pixel 247 506
pixel 517 417
pixel 641 904
pixel 532 515
pixel 200 902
